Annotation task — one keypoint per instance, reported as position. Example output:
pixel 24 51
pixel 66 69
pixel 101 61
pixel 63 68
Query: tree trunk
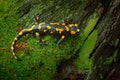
pixel 98 41
pixel 106 53
pixel 106 20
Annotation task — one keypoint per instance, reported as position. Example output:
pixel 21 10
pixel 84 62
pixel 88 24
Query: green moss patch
pixel 83 62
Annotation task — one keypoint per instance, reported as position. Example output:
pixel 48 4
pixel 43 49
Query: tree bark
pixel 106 53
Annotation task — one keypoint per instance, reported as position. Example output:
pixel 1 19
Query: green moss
pixel 83 62
pixel 91 22
pixel 36 62
pixel 111 59
pixel 101 76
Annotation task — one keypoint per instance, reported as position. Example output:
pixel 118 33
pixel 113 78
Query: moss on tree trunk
pixel 105 55
pixel 94 53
